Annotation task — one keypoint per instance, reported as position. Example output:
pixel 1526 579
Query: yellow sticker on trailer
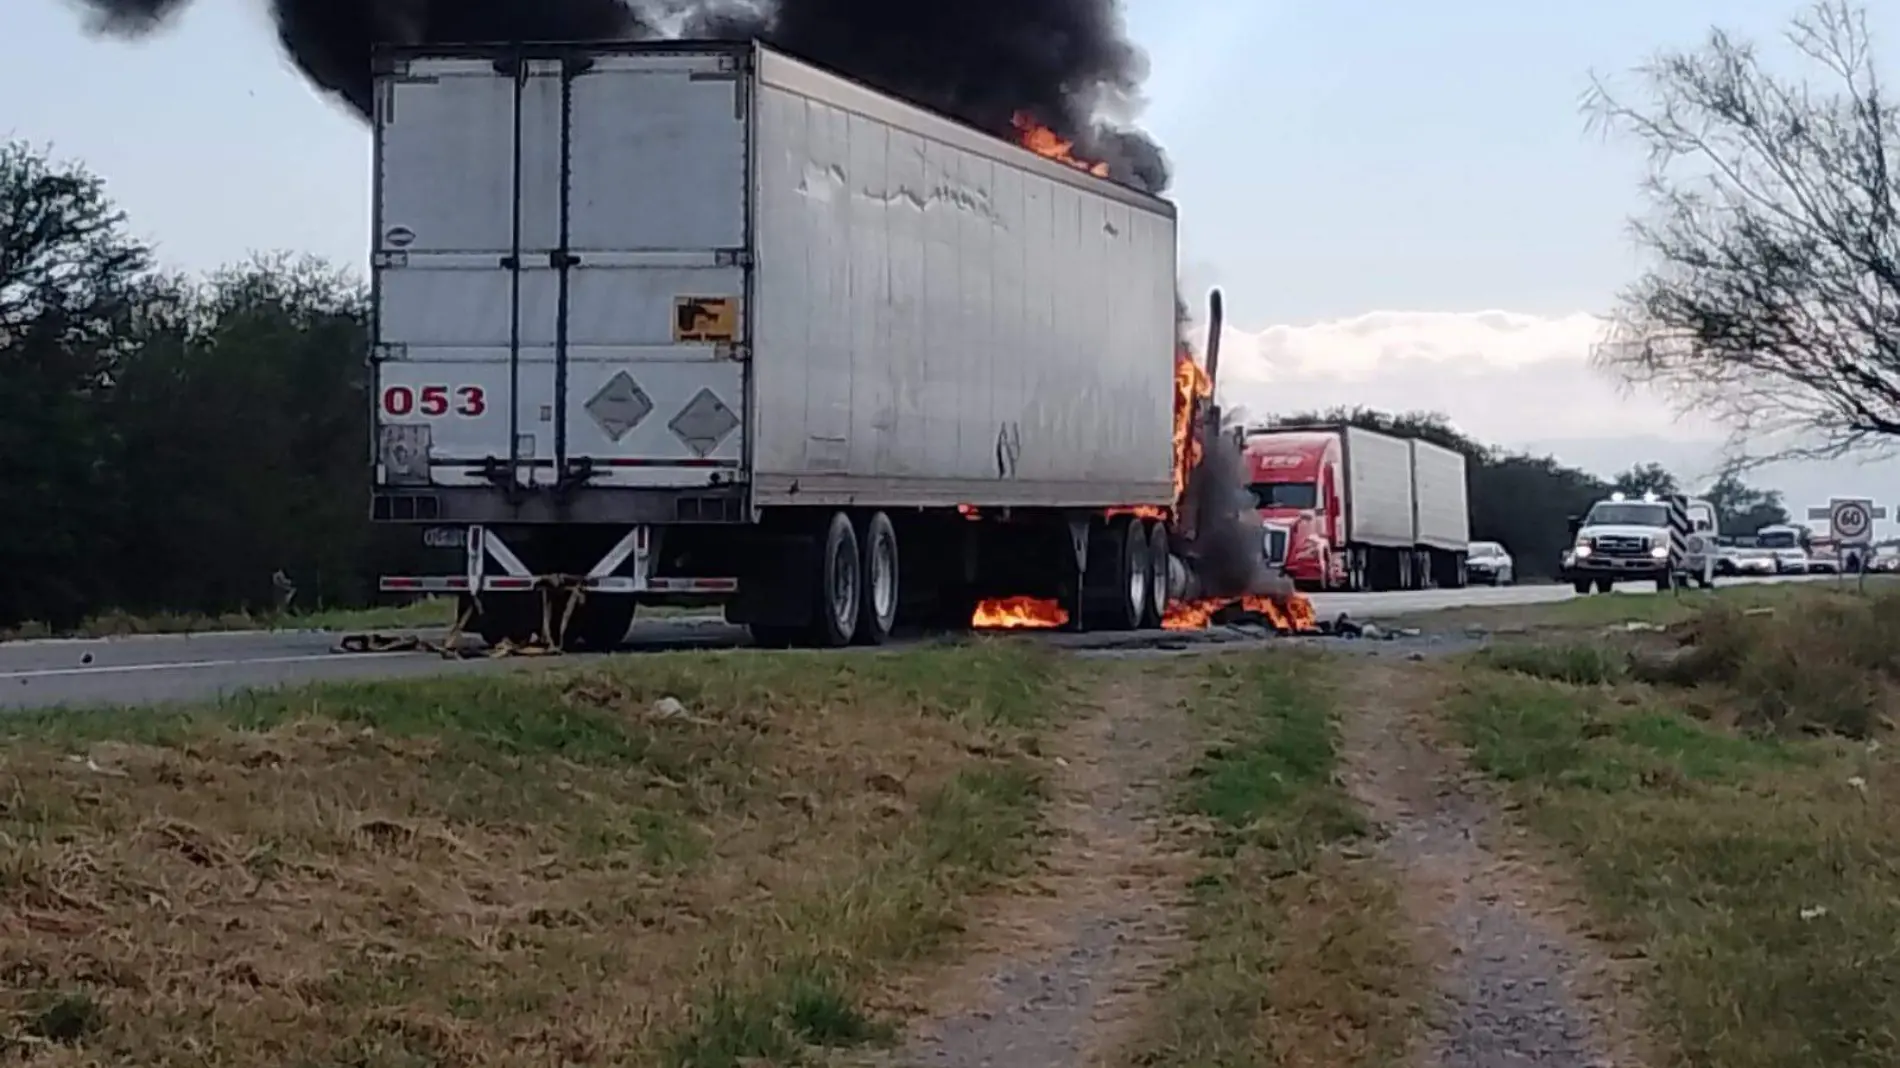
pixel 713 319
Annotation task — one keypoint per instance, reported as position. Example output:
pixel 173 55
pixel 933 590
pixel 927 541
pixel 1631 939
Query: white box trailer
pixel 1378 489
pixel 685 318
pixel 1442 507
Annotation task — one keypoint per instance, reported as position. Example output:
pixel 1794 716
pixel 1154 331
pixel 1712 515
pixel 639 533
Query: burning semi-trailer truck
pixel 701 322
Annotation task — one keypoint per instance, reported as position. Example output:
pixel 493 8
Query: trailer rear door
pixel 561 268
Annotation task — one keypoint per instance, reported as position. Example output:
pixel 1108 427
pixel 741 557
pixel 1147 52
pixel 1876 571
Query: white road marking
pixel 187 665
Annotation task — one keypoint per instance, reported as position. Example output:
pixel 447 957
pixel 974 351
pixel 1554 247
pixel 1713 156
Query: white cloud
pixel 1501 376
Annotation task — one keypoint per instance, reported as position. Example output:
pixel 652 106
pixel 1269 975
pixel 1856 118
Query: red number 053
pixel 433 401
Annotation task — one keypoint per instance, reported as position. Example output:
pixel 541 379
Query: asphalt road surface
pixel 161 668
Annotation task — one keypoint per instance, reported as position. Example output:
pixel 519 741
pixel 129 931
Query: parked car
pixel 1824 564
pixel 1750 561
pixel 1886 559
pixel 1791 561
pixel 1491 564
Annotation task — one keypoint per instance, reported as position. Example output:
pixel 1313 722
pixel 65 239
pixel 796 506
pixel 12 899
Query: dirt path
pixel 1519 984
pixel 1060 974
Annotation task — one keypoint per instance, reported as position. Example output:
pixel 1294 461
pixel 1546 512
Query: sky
pixel 1400 201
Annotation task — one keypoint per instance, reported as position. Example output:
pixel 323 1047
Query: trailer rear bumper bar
pixel 626 568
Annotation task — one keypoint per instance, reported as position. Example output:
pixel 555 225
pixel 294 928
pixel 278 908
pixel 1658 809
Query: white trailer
pixel 1378 489
pixel 699 320
pixel 1442 507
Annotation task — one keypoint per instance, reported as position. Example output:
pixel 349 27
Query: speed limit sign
pixel 1851 522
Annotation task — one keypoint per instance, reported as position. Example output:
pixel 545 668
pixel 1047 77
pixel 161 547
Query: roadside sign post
pixel 1850 522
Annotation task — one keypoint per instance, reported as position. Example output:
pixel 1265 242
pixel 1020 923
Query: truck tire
pixel 773 636
pixel 514 618
pixel 1605 585
pixel 1115 585
pixel 838 587
pixel 601 623
pixel 1665 584
pixel 878 591
pixel 1158 553
pixel 1582 586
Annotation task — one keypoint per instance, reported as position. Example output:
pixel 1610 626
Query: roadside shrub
pixel 1829 664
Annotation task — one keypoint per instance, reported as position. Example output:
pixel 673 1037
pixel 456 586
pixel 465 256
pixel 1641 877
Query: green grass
pixel 1759 876
pixel 1530 731
pixel 904 911
pixel 1298 956
pixel 1598 611
pixel 1816 661
pixel 501 868
pixel 1578 663
pixel 569 713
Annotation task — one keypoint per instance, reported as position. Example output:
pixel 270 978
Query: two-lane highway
pixel 157 668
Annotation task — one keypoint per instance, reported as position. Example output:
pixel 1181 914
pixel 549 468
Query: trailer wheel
pixel 1129 541
pixel 601 623
pixel 1158 553
pixel 840 579
pixel 772 636
pixel 1115 583
pixel 514 618
pixel 877 607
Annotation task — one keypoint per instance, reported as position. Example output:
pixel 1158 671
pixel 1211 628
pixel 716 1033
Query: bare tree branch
pixel 1773 304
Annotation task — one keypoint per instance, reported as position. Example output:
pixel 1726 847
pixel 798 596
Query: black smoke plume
pixel 331 40
pixel 980 61
pixel 1225 557
pixel 1229 561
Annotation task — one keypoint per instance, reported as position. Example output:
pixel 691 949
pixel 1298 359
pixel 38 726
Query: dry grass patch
pixel 1300 955
pixel 1757 871
pixel 670 859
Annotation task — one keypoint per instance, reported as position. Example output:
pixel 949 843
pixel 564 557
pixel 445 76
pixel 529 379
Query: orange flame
pixel 1139 511
pixel 1045 142
pixel 1191 387
pixel 1038 613
pixel 1019 613
pixel 1295 614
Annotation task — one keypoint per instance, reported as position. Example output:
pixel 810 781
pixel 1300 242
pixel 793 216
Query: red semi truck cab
pixel 1296 481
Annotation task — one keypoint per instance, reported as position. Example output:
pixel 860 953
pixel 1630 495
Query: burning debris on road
pixel 1294 615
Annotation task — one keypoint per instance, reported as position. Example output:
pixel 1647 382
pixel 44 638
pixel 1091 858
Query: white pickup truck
pixel 1668 541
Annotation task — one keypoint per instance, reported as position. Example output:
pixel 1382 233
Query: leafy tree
pixel 68 275
pixel 165 443
pixel 245 424
pixel 1742 509
pixel 1774 301
pixel 1645 479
